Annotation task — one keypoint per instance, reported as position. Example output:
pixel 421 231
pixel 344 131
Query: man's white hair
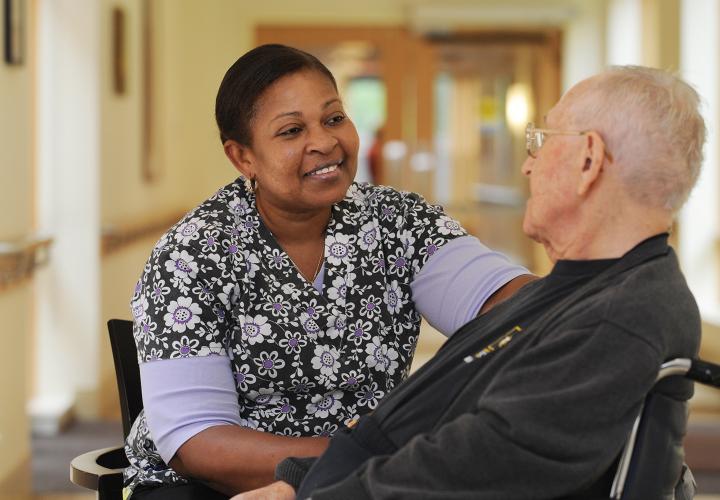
pixel 651 124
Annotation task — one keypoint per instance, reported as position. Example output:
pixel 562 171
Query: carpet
pixel 51 456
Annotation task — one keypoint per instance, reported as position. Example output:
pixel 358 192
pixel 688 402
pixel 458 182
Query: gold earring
pixel 249 185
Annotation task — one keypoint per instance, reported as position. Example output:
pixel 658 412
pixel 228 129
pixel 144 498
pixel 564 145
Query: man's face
pixel 553 177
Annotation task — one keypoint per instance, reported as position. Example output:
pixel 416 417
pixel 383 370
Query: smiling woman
pixel 303 153
pixel 289 303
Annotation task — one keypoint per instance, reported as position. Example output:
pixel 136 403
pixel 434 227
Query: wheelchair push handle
pixel 704 372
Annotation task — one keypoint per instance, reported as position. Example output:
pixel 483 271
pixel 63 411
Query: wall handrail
pixel 21 257
pixel 114 237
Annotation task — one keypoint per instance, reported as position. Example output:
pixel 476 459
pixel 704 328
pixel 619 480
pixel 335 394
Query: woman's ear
pixel 241 157
pixel 593 157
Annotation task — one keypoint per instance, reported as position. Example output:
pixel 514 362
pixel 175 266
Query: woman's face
pixel 304 147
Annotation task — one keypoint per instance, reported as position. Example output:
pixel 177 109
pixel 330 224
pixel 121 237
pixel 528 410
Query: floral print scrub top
pixel 305 362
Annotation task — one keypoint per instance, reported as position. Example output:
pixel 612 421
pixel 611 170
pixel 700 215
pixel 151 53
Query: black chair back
pixel 651 465
pixel 657 454
pixel 127 371
pixel 658 457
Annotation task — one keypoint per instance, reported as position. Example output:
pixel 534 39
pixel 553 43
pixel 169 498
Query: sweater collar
pixel 645 250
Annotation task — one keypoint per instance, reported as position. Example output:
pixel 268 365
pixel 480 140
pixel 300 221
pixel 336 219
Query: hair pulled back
pixel 248 78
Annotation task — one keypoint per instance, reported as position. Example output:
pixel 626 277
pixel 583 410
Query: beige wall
pixel 14 377
pixel 126 195
pixel 119 273
pixel 16 149
pixel 16 207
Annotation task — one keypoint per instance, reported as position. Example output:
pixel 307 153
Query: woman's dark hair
pixel 248 78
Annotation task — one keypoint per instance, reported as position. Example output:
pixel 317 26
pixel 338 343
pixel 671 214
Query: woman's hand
pixel 278 490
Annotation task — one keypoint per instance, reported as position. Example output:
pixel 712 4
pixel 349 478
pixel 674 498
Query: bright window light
pixel 518 106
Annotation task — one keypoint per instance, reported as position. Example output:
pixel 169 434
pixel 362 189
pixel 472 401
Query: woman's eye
pixel 290 131
pixel 337 119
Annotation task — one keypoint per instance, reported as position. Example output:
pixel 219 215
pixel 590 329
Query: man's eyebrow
pixel 544 120
pixel 299 114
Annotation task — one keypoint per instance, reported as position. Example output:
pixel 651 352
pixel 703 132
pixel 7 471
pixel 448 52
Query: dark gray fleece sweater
pixel 532 400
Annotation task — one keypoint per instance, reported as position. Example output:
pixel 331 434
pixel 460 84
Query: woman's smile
pixel 326 171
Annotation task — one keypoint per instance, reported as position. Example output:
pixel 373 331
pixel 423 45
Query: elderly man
pixel 535 398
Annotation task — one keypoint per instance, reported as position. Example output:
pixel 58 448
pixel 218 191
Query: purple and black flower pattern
pixel 305 362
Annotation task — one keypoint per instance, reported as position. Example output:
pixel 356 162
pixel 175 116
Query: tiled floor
pixel 24 493
pixel 51 496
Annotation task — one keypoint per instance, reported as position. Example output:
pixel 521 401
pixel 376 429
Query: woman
pixel 288 303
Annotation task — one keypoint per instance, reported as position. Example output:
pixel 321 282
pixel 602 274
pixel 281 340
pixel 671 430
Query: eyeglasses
pixel 535 137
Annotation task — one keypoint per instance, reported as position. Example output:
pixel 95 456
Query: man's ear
pixel 241 157
pixel 593 157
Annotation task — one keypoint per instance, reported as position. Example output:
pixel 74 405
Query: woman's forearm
pixel 506 291
pixel 233 459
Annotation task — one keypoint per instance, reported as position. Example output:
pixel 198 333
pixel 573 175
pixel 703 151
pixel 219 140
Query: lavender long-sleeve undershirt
pixel 454 284
pixel 185 396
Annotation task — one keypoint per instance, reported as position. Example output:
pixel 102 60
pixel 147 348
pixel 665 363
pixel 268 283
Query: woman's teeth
pixel 326 170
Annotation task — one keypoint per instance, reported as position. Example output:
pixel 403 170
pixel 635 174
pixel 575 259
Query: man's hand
pixel 279 490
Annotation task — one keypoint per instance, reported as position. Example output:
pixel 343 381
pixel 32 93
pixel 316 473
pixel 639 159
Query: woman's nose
pixel 321 140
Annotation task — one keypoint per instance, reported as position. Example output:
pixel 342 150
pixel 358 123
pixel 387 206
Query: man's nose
pixel 527 165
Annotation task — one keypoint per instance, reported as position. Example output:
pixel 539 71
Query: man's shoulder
pixel 652 300
pixel 653 284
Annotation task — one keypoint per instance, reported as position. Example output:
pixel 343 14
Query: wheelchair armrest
pixel 704 372
pixel 99 469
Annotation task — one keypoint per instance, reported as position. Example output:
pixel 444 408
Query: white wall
pixel 67 299
pixel 583 51
pixel 700 27
pixel 624 32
